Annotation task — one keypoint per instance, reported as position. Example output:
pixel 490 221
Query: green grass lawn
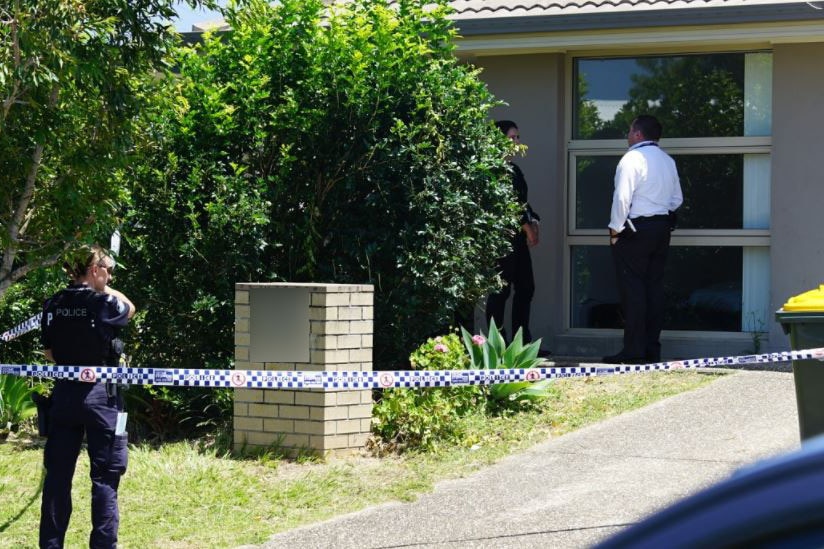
pixel 180 496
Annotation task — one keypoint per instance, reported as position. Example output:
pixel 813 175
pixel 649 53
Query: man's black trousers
pixel 640 261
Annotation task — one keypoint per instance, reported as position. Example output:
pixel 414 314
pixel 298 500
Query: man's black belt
pixel 644 218
pixel 651 221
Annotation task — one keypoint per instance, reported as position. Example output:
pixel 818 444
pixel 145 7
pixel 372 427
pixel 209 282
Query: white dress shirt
pixel 646 184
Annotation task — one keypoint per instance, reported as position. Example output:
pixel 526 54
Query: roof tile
pixel 470 9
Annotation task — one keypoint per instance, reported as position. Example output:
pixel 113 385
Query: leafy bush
pixel 67 78
pixel 423 418
pixel 492 353
pixel 16 404
pixel 317 143
pixel 20 302
pixel 160 413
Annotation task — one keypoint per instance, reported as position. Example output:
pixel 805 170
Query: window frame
pixel 573 236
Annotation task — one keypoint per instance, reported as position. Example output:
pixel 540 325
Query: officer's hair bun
pixel 78 261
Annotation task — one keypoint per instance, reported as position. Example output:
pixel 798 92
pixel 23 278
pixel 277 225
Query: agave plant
pixel 492 352
pixel 16 404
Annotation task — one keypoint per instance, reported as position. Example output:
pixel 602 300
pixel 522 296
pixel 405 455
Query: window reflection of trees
pixel 587 121
pixel 593 194
pixel 703 289
pixel 713 191
pixel 692 96
pixel 712 187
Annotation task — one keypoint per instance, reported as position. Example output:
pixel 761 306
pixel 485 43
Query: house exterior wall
pixel 797 243
pixel 533 85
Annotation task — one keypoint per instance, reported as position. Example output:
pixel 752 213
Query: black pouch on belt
pixel 43 404
pixel 672 217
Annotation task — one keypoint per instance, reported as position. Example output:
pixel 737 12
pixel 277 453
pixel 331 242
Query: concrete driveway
pixel 575 490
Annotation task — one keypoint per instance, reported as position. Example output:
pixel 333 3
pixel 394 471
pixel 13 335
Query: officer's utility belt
pixel 112 388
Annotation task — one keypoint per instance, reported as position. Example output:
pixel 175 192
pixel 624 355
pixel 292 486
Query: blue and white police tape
pixel 24 327
pixel 350 380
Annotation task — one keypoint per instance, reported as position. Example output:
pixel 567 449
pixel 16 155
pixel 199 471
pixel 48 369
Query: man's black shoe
pixel 621 358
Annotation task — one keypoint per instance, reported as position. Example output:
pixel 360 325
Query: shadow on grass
pixel 34 497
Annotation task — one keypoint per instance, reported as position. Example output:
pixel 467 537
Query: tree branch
pixel 13 229
pixel 15 42
pixel 23 270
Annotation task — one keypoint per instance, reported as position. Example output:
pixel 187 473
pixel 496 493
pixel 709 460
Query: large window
pixel 716 113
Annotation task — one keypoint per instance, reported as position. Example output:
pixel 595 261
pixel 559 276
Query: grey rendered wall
pixel 797 243
pixel 532 85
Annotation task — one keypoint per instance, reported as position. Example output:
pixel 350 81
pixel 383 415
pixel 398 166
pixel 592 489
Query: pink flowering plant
pixel 491 352
pixel 424 418
pixel 444 352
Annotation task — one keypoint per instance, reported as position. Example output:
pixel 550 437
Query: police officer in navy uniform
pixel 80 326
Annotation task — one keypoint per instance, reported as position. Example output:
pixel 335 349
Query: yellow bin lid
pixel 808 301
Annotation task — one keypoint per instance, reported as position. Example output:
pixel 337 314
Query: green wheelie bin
pixel 802 317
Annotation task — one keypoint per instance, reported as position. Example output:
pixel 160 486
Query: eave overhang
pixel 761 25
pixel 640 18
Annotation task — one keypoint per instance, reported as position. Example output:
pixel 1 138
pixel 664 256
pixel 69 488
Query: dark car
pixel 778 502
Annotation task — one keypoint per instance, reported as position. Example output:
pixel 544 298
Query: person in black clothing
pixel 516 268
pixel 80 325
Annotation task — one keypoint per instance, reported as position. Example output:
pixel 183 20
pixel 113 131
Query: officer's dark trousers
pixel 640 260
pixel 79 408
pixel 516 271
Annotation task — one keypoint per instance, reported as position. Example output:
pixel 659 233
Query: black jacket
pixel 80 326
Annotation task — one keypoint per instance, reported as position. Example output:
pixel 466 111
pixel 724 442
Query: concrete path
pixel 579 488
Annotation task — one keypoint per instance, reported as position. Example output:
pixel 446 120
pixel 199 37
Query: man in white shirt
pixel 647 191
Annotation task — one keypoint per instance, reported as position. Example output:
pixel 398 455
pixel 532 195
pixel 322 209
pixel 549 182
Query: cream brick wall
pixel 340 338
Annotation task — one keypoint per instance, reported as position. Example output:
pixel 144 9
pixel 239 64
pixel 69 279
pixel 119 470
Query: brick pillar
pixel 310 327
